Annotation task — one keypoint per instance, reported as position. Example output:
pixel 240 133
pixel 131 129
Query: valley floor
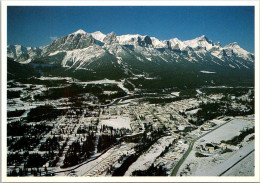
pixel 51 132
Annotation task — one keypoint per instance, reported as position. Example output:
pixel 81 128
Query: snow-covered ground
pixel 20 105
pixel 55 78
pixel 198 91
pixel 217 163
pixel 227 131
pixel 128 101
pixel 207 72
pixel 175 93
pixel 146 160
pixel 15 89
pixel 107 81
pixel 246 167
pixel 220 168
pixel 194 111
pixel 100 165
pixel 117 122
pixel 171 158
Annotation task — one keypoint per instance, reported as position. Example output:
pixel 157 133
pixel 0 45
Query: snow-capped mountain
pixel 132 54
pixel 23 54
pixel 98 35
pixel 202 42
pixel 235 49
pixel 77 40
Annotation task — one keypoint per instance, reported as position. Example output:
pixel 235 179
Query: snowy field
pixel 194 111
pixel 128 101
pixel 16 89
pixel 227 131
pixel 175 93
pixel 198 91
pixel 146 160
pixel 55 78
pixel 99 165
pixel 107 81
pixel 20 105
pixel 117 122
pixel 243 168
pixel 207 72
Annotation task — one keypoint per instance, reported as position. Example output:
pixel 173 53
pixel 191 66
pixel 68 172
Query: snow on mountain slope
pixel 22 54
pixel 218 54
pixel 234 48
pixel 98 36
pixel 158 43
pixel 80 31
pixel 82 57
pixel 14 51
pixel 117 49
pixel 129 39
pixel 110 38
pixel 33 52
pixel 199 42
pixel 80 48
pixel 77 40
pixel 175 43
pixel 135 40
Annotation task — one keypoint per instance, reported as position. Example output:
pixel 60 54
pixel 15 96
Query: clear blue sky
pixel 38 26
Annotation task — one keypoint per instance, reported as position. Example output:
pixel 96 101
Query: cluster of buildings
pixel 173 118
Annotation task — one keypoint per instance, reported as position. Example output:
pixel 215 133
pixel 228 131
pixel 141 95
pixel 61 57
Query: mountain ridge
pixel 134 54
pixel 99 36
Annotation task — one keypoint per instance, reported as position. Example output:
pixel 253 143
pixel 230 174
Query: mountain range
pixel 97 55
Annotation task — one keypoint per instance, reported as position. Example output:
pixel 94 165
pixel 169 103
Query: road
pixel 186 154
pixel 246 164
pixel 239 155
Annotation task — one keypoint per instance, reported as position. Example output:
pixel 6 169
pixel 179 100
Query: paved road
pixel 186 154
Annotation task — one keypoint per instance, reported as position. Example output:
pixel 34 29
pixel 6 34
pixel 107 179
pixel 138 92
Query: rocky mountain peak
pixel 110 38
pixel 80 31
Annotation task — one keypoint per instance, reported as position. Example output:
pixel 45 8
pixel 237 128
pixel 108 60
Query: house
pixel 223 144
pixel 211 147
pixel 182 141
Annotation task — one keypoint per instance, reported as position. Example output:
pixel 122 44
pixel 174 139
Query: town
pixel 63 127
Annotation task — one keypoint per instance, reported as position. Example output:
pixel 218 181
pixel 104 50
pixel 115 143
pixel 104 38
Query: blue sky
pixel 38 26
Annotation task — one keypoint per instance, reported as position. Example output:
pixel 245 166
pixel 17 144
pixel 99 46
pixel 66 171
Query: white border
pixel 6 3
pixel 132 3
